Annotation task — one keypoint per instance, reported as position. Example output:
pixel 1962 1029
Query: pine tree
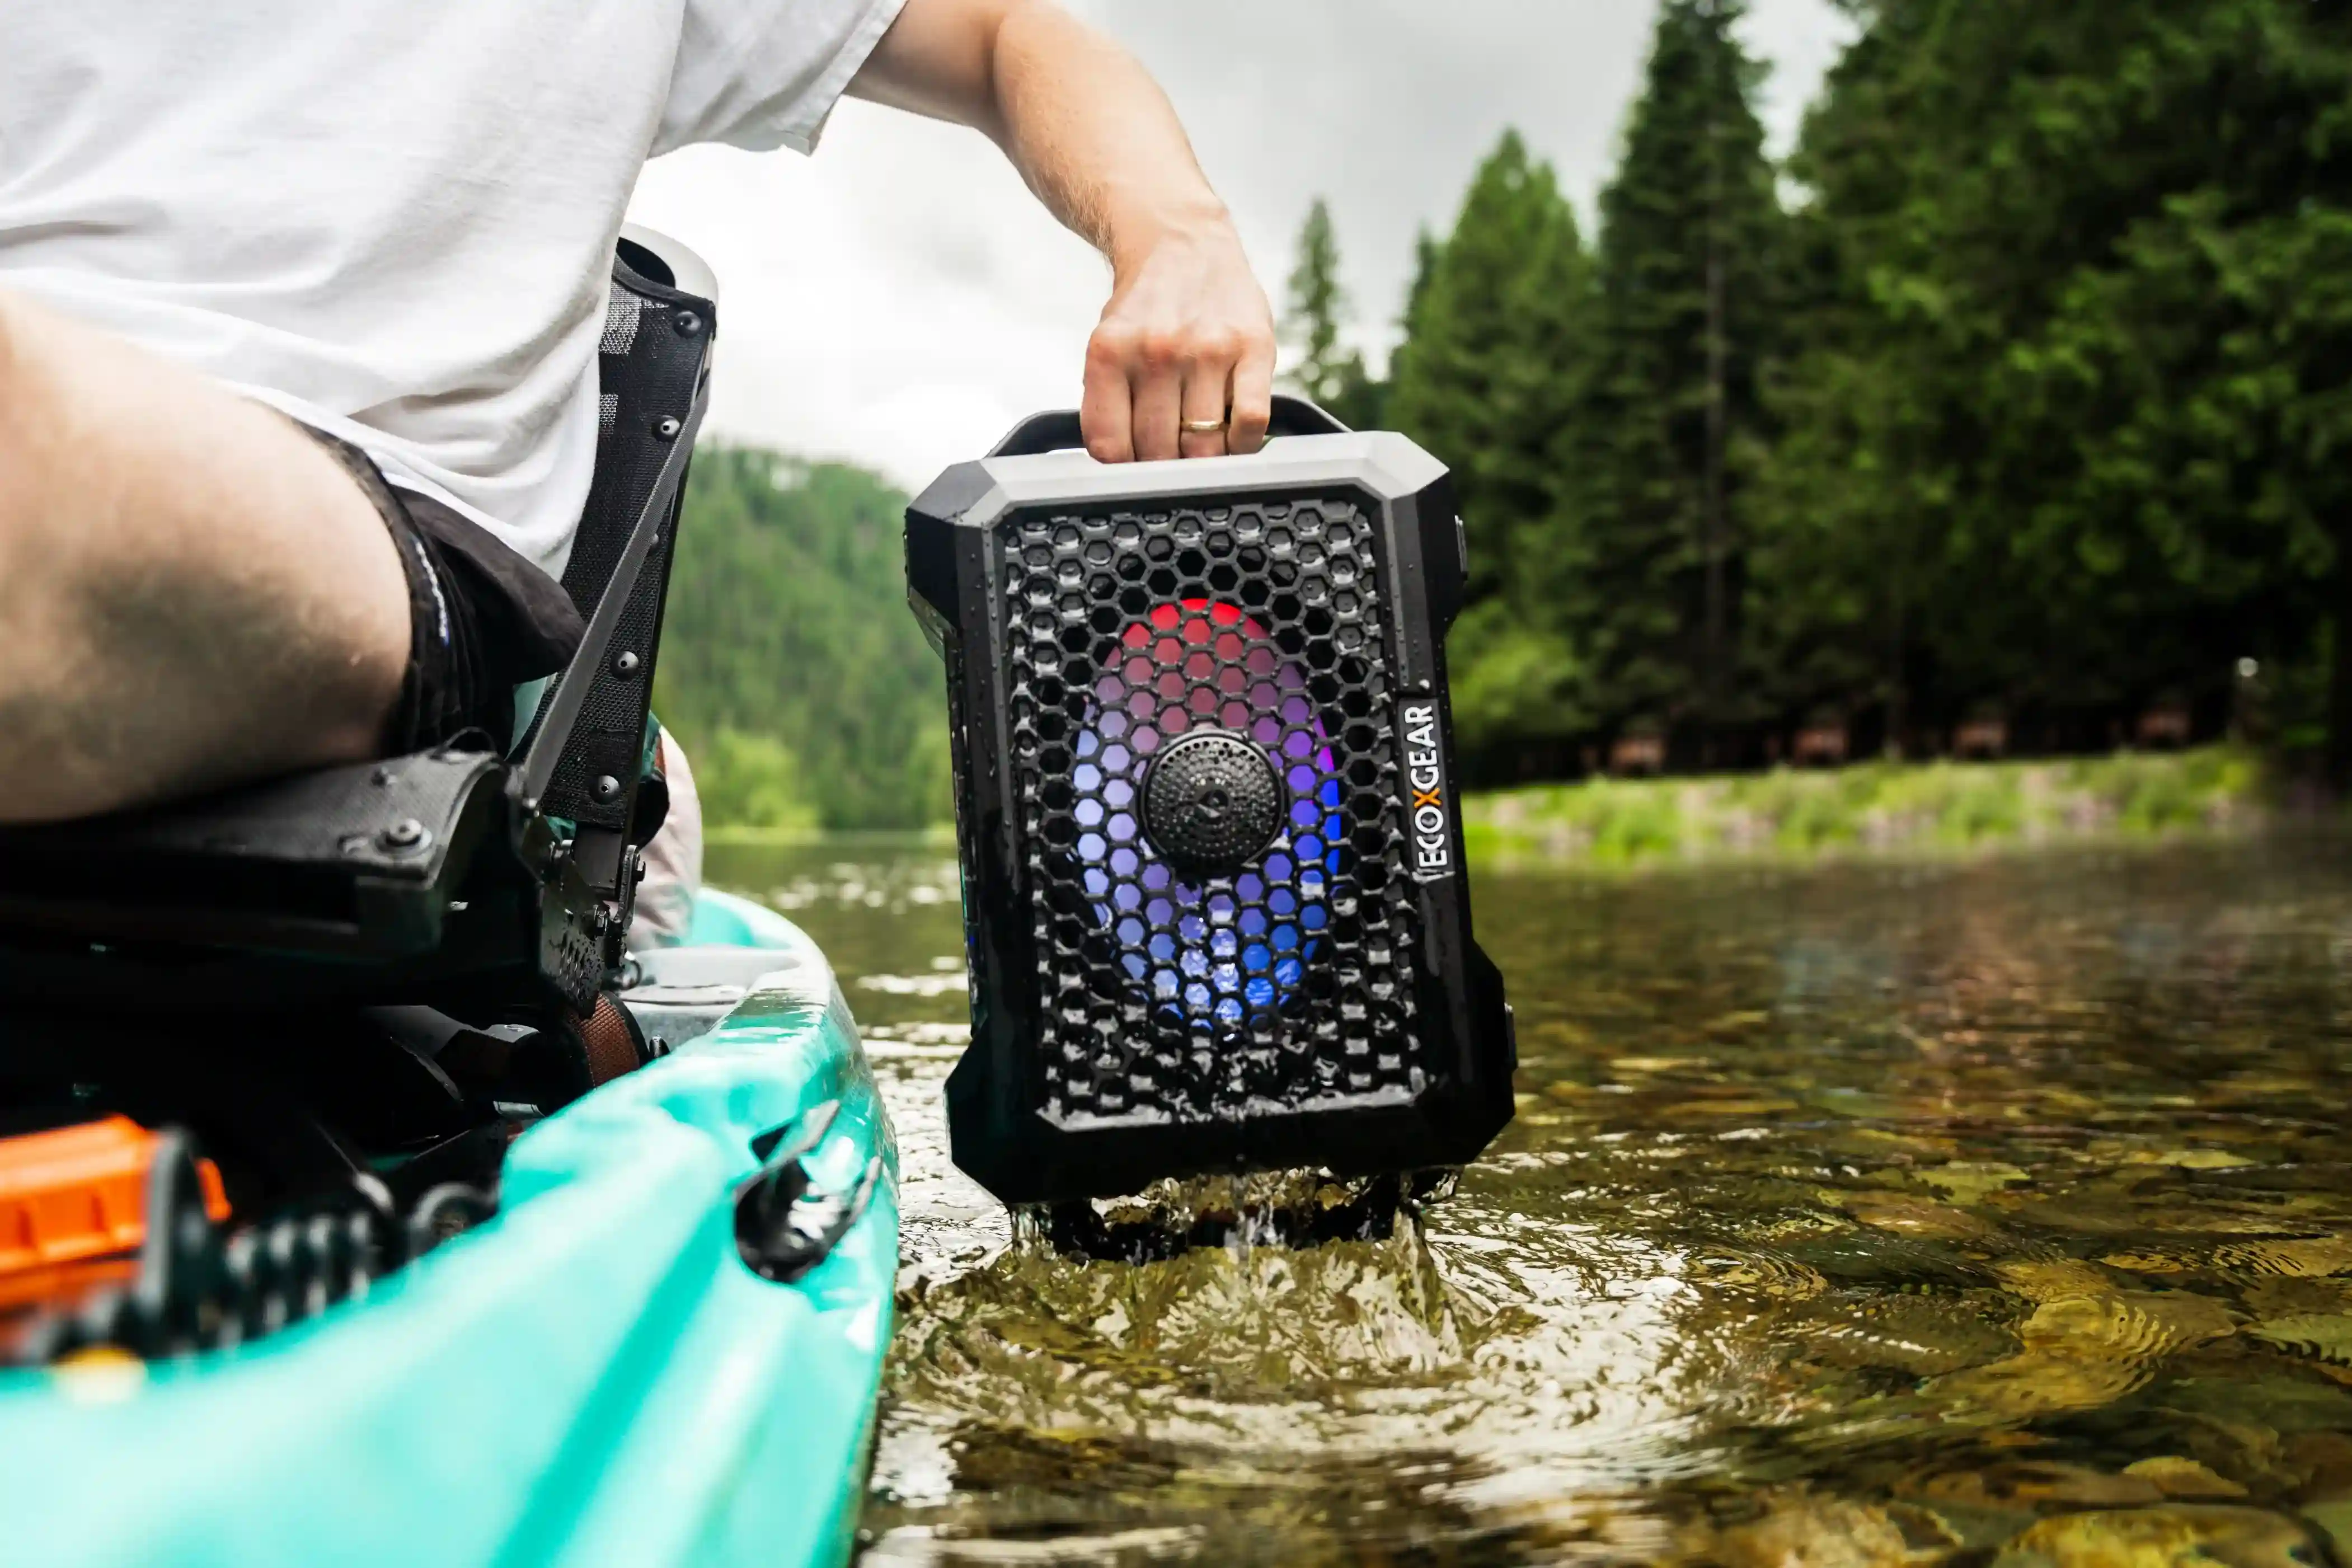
pixel 1313 325
pixel 1426 252
pixel 1671 416
pixel 1325 372
pixel 1496 328
pixel 1842 547
pixel 1494 339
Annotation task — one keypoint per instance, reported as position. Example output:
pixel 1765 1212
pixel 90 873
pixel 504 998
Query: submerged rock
pixel 1970 1180
pixel 1907 1216
pixel 2184 1534
pixel 2185 1478
pixel 2320 1336
pixel 1808 1532
pixel 2083 1351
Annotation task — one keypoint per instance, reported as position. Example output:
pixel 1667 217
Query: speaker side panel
pixel 950 574
pixel 1470 1038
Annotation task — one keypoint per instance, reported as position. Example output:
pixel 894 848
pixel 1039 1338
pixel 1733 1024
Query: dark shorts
pixel 484 620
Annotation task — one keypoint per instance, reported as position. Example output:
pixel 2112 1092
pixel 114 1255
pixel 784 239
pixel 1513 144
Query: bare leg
pixel 192 593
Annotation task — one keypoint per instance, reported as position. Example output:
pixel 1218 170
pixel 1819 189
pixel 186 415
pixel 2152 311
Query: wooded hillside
pixel 790 665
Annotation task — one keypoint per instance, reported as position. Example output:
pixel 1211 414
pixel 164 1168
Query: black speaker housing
pixel 1139 1012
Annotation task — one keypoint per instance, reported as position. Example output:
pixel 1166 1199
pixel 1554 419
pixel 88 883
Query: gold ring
pixel 1204 427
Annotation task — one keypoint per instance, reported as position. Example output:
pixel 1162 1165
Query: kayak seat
pixel 495 887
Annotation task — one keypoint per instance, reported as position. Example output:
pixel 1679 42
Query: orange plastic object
pixel 73 1204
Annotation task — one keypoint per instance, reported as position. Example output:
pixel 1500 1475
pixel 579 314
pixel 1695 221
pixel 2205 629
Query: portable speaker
pixel 1213 882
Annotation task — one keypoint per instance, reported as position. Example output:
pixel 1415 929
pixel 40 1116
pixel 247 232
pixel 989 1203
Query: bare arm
pixel 1188 337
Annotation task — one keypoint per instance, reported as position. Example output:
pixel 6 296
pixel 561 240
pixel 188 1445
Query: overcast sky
pixel 898 300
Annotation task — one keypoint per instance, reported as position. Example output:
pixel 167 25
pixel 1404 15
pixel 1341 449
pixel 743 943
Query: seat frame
pixel 494 888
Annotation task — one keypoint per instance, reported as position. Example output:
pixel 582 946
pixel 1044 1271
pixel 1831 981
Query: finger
pixel 1158 404
pixel 1252 400
pixel 1108 406
pixel 1208 389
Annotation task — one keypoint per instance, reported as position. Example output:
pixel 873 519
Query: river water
pixel 1897 1213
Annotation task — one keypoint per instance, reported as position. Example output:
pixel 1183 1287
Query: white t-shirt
pixel 392 219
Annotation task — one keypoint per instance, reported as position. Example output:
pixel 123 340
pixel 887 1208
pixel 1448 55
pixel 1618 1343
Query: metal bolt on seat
pixel 406 837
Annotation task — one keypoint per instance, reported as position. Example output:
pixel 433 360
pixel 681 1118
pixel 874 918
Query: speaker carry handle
pixel 1058 430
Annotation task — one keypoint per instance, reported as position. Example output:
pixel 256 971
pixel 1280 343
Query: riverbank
pixel 939 834
pixel 1789 814
pixel 1871 808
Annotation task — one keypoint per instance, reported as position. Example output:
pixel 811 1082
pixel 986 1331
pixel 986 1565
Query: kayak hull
pixel 593 1376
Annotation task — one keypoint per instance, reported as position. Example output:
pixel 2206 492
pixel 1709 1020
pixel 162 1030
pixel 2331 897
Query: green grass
pixel 1787 814
pixel 939 834
pixel 1872 807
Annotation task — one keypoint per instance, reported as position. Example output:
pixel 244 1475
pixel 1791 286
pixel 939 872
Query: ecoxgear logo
pixel 1429 816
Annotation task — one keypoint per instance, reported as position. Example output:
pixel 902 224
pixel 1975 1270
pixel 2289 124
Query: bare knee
pixel 19 414
pixel 11 308
pixel 192 593
pixel 14 416
pixel 21 509
pixel 27 454
pixel 41 746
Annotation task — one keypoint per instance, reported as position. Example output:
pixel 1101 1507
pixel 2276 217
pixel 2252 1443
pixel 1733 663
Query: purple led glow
pixel 1213 953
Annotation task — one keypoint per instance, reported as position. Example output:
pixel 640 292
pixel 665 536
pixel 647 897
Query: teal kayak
pixel 593 1375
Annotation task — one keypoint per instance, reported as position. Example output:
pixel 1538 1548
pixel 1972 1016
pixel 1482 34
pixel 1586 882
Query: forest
pixel 2013 404
pixel 2008 413
pixel 790 666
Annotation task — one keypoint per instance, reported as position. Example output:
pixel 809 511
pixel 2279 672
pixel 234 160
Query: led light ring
pixel 1233 947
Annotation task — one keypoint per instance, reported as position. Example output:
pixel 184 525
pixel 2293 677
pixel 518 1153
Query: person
pixel 664 913
pixel 299 307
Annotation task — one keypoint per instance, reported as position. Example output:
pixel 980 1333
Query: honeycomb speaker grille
pixel 1166 988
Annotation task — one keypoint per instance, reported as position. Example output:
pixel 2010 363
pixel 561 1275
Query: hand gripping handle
pixel 1058 430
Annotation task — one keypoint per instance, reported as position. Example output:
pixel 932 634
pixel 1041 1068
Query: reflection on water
pixel 1869 1215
